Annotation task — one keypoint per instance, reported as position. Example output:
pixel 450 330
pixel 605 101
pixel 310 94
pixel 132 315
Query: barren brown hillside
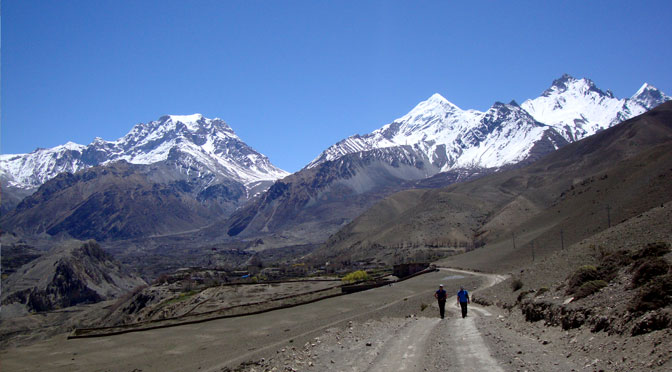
pixel 565 197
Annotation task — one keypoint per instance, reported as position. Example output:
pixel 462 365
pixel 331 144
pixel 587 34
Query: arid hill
pixel 71 274
pixel 561 199
pixel 121 201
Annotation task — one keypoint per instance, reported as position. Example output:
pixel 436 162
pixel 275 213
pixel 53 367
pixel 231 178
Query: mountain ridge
pixel 436 124
pixel 210 142
pixel 435 136
pixel 468 142
pixel 627 167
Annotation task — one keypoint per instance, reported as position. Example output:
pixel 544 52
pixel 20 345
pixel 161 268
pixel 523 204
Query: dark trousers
pixel 464 309
pixel 442 308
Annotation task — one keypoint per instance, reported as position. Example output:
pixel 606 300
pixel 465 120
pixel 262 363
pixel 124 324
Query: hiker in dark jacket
pixel 463 300
pixel 441 296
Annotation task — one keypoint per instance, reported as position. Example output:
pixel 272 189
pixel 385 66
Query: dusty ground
pixel 377 330
pixel 19 329
pixel 164 301
pixel 484 341
pixel 223 343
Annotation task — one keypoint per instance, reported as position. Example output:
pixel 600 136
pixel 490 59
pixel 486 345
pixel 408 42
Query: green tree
pixel 356 276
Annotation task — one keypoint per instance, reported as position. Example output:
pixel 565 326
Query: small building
pixel 408 269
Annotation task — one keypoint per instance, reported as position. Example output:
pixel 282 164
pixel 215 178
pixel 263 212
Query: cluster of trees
pixel 356 276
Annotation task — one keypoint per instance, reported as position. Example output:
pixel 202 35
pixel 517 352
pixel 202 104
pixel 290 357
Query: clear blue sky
pixel 294 77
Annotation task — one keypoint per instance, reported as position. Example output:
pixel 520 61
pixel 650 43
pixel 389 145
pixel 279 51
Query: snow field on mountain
pixel 505 134
pixel 436 128
pixel 203 145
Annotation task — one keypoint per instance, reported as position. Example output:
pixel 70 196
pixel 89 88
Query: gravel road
pixel 388 328
pixel 409 344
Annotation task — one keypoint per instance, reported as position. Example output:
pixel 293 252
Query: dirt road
pixel 393 327
pixel 413 343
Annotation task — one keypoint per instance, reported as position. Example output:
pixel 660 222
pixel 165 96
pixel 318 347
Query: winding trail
pixel 469 349
pixel 464 347
pixel 214 345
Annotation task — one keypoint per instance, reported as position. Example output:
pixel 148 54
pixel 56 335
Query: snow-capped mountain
pixel 199 147
pixel 452 138
pixel 430 121
pixel 436 136
pixel 577 108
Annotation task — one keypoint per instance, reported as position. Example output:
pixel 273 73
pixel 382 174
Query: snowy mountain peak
pixel 195 139
pixel 649 96
pixel 71 146
pixel 645 87
pixel 561 83
pixel 436 97
pixel 567 83
pixel 186 119
pixel 451 138
pixel 576 108
pixel 208 148
pixel 436 105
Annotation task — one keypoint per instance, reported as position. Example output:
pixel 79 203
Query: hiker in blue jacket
pixel 441 296
pixel 463 300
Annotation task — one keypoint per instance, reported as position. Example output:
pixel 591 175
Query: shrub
pixel 652 250
pixel 582 275
pixel 423 307
pixel 516 284
pixel 649 269
pixel 611 263
pixel 356 276
pixel 654 295
pixel 588 288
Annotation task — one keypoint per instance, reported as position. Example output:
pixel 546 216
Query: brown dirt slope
pixel 121 201
pixel 561 199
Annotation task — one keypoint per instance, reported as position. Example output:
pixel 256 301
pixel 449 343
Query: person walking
pixel 441 296
pixel 463 300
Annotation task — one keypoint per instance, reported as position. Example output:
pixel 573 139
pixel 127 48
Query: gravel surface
pixel 412 343
pixel 392 328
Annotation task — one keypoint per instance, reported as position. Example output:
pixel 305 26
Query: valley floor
pixel 389 328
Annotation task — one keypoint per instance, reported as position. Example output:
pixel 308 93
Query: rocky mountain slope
pixel 448 139
pixel 73 273
pixel 206 150
pixel 121 201
pixel 454 138
pixel 311 204
pixel 200 168
pixel 574 192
